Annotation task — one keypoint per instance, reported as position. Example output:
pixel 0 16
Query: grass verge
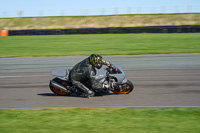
pixel 71 22
pixel 105 120
pixel 105 44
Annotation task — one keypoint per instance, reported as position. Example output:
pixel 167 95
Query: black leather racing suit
pixel 82 76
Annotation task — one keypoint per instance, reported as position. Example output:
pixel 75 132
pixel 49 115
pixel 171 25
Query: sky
pixel 30 8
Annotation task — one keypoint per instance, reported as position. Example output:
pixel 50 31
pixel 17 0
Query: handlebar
pixel 113 68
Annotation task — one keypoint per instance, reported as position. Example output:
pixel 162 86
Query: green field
pixel 124 120
pixel 105 44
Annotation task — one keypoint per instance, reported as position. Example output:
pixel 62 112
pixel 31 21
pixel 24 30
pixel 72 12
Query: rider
pixel 83 74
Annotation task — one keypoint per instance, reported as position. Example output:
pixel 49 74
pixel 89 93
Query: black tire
pixel 126 88
pixel 58 91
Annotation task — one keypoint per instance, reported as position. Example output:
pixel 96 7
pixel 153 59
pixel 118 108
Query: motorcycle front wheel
pixel 124 88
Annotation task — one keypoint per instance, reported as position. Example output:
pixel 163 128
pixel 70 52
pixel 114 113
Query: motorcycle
pixel 113 76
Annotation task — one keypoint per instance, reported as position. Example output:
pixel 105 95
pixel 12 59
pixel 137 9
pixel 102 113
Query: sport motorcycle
pixel 112 76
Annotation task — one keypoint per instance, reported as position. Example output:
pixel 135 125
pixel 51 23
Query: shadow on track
pixel 73 95
pixel 47 94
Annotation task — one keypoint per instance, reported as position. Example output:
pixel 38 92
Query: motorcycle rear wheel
pixel 58 91
pixel 125 88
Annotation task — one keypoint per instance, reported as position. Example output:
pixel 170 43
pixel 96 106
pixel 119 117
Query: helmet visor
pixel 99 63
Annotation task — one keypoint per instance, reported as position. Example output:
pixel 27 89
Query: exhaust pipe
pixel 61 87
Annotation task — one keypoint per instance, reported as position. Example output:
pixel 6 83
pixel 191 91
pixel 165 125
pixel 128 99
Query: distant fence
pixel 112 30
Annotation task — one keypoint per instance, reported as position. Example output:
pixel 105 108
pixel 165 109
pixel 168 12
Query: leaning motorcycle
pixel 113 76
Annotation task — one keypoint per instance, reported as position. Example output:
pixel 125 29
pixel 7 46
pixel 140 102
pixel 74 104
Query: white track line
pixel 2 77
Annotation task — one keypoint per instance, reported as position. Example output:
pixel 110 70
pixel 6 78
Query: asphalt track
pixel 160 81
